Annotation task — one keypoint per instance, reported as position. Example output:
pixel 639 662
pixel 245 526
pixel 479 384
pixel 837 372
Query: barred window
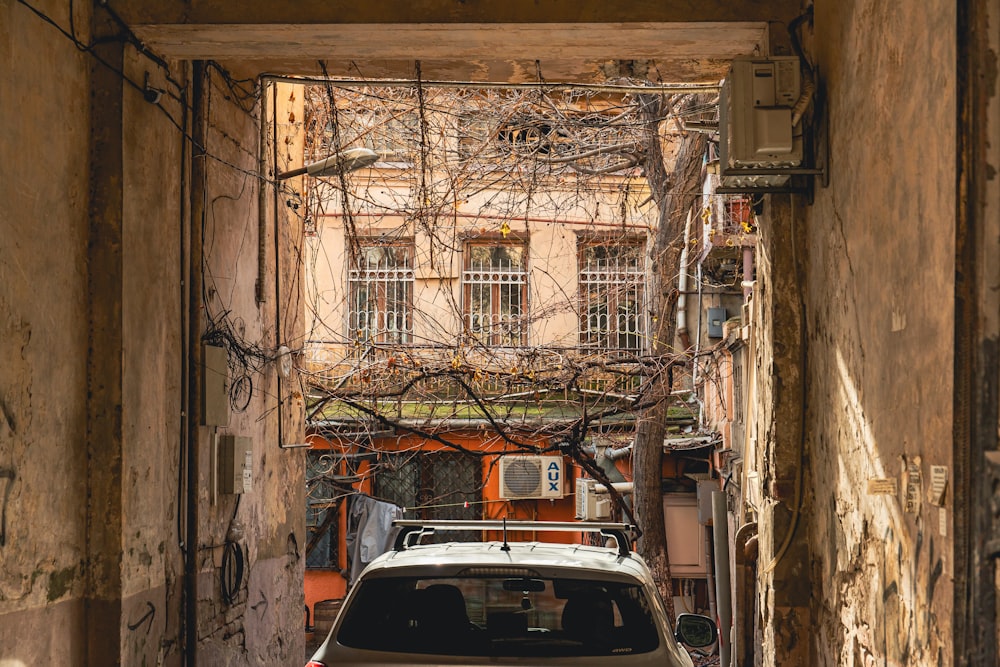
pixel 323 500
pixel 381 293
pixel 612 283
pixel 432 485
pixel 495 284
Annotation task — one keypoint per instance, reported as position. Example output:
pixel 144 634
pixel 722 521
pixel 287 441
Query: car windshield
pixel 522 616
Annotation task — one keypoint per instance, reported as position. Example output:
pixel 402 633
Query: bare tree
pixel 674 196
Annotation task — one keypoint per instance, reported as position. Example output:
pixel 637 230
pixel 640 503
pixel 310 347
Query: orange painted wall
pixel 327 584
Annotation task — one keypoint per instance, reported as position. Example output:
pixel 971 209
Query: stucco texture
pixel 879 303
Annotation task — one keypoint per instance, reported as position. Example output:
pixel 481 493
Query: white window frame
pixel 612 282
pixel 391 319
pixel 496 284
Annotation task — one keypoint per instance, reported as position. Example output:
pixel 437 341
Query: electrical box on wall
pixel 716 318
pixel 755 114
pixel 214 386
pixel 235 464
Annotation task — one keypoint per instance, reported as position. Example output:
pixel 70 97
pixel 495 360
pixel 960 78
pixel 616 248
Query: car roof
pixel 547 558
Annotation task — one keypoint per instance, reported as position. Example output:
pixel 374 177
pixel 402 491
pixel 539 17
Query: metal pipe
pixel 259 292
pixel 747 272
pixel 697 351
pixel 199 177
pixel 488 216
pixel 620 487
pixel 723 592
pixel 713 608
pixel 615 454
pixel 743 576
pixel 664 88
pixel 682 285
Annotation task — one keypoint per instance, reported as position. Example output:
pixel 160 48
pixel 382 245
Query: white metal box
pixel 235 464
pixel 591 505
pixel 526 477
pixel 755 114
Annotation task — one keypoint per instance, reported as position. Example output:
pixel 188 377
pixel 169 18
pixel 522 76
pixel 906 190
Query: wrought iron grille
pixel 496 281
pixel 612 293
pixel 381 288
pixel 323 500
pixel 432 485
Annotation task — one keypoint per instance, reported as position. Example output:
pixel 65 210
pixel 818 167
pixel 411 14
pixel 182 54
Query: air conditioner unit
pixel 755 120
pixel 526 477
pixel 591 505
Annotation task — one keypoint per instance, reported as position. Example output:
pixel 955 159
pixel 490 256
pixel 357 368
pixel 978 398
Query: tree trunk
pixel 674 195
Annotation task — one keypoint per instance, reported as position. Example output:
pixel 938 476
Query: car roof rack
pixel 413 530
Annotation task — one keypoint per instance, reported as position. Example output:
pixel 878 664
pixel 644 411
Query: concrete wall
pixel 876 256
pixel 95 243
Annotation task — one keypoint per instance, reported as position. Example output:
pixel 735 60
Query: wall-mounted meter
pixel 756 128
pixel 235 464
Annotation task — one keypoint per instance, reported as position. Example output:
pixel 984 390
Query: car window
pixel 499 616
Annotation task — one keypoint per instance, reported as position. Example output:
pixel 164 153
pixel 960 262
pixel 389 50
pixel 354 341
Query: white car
pixel 506 602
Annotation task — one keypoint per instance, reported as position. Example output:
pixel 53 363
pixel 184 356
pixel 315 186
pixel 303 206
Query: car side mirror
pixel 695 630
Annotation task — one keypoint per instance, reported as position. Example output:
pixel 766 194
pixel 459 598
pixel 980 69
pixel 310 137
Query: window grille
pixel 496 281
pixel 432 485
pixel 323 500
pixel 381 287
pixel 612 294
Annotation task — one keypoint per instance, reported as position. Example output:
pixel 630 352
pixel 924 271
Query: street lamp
pixel 349 160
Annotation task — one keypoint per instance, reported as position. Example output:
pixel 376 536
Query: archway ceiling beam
pixel 481 40
pixel 493 52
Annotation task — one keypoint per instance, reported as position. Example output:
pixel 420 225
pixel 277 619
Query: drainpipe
pixel 745 554
pixel 720 530
pixel 710 575
pixel 697 351
pixel 185 273
pixel 747 272
pixel 199 124
pixel 682 286
pixel 259 287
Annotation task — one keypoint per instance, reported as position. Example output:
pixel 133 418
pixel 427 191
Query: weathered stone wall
pixel 151 359
pixel 880 321
pixel 776 445
pixel 95 240
pixel 43 337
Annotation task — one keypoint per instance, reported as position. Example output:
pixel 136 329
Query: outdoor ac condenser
pixel 755 120
pixel 527 477
pixel 591 505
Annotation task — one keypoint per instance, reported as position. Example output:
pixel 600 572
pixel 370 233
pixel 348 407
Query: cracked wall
pixel 880 330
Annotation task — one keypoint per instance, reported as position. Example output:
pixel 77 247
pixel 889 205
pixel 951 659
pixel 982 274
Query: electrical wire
pixel 231 572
